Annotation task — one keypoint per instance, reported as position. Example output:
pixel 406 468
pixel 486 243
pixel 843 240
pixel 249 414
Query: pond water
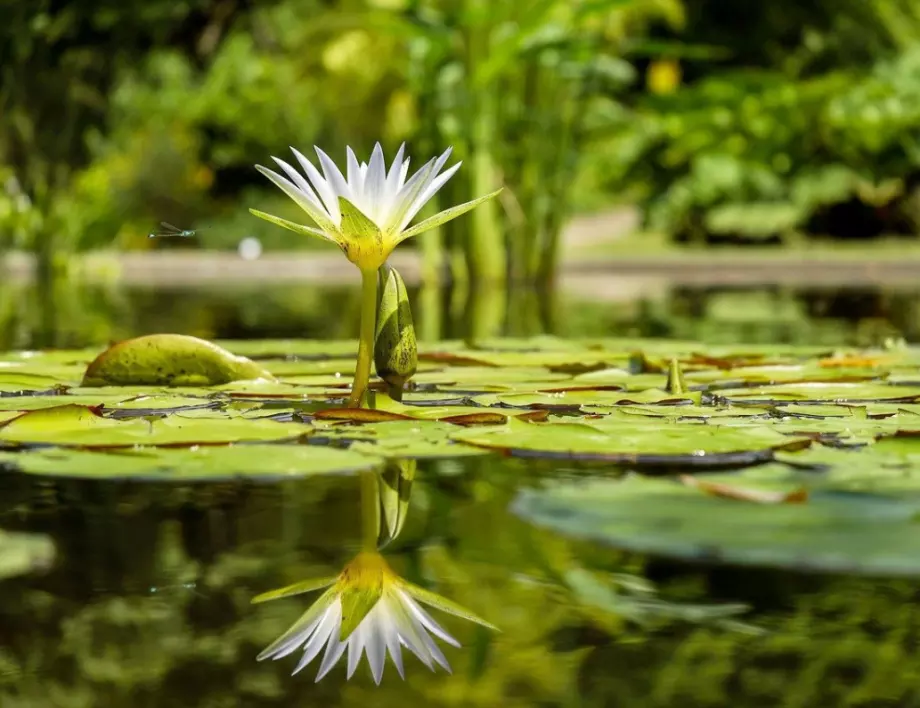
pixel 147 601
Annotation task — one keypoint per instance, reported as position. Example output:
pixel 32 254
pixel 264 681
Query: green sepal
pixel 295 589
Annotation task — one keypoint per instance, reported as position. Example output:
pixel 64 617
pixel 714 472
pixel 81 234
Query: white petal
pixel 356 643
pixel 334 176
pixel 407 194
pixel 409 633
pixel 355 176
pixel 301 183
pixel 416 186
pixel 375 183
pixel 376 647
pixel 435 651
pixel 391 638
pixel 334 649
pixel 300 639
pixel 322 187
pixel 332 619
pixel 426 195
pixel 427 620
pixel 392 183
pixel 438 166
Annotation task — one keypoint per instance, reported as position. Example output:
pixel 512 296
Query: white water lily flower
pixel 368 609
pixel 366 211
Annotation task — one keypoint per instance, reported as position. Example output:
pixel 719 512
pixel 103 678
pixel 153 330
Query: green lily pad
pixel 834 531
pixel 128 402
pixel 401 438
pixel 474 378
pixel 81 426
pixel 823 393
pixel 634 444
pixel 681 411
pixel 258 462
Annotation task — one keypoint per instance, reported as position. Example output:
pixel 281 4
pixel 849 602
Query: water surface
pixel 148 602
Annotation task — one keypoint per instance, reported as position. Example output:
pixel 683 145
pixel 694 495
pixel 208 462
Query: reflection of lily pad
pixel 833 531
pixel 201 464
pixel 630 443
pixel 22 553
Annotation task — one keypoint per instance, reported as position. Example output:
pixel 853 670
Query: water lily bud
pixel 395 350
pixel 395 486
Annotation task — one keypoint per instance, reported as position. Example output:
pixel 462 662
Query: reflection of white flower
pixel 367 210
pixel 368 609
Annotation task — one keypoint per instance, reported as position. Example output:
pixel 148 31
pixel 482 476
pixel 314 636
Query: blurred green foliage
pixel 811 122
pixel 752 121
pixel 119 115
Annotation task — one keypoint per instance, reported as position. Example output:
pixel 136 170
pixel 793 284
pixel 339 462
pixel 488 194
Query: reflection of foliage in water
pixel 77 646
pixel 85 314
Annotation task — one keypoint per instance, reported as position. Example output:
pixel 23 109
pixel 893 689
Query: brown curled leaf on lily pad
pixel 170 360
pixel 358 415
pixel 492 418
pixel 760 496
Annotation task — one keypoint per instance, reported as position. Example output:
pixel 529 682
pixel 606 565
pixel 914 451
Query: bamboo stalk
pixel 485 248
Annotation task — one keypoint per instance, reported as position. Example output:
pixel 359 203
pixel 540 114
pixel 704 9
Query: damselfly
pixel 172 231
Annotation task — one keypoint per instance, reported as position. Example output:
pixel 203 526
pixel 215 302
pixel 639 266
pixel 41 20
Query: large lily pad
pixel 840 531
pixel 631 443
pixel 401 438
pixel 81 426
pixel 257 462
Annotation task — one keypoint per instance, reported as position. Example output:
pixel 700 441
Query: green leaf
pixel 300 588
pixel 296 228
pixel 445 605
pixel 355 224
pixel 444 216
pixel 357 602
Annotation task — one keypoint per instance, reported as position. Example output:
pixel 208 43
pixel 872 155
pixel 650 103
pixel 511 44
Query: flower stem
pixel 366 343
pixel 370 511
